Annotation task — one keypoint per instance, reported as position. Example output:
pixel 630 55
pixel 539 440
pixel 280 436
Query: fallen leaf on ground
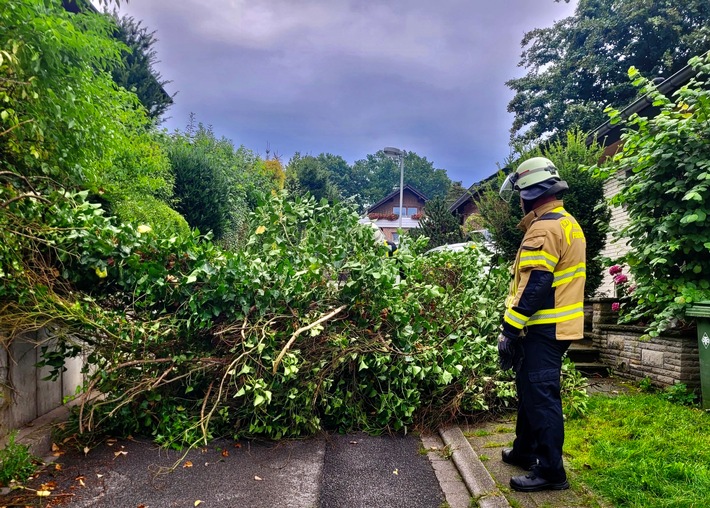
pixel 121 452
pixel 86 450
pixel 225 453
pixel 43 493
pixel 258 478
pixel 198 502
pixel 55 448
pixel 396 471
pixel 187 464
pixel 353 442
pixel 57 467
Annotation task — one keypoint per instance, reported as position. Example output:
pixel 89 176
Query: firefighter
pixel 544 313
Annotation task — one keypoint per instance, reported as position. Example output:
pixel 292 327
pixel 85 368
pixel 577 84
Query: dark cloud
pixel 349 76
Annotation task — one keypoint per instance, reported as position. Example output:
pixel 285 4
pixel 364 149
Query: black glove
pixel 509 352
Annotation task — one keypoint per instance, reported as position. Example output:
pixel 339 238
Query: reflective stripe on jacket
pixel 549 275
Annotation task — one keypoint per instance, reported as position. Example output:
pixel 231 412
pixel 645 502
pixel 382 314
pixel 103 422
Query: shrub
pixel 16 462
pixel 666 195
pixel 439 224
pixel 148 210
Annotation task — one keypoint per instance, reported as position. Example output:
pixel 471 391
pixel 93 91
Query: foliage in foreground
pixel 667 158
pixel 309 326
pixel 641 450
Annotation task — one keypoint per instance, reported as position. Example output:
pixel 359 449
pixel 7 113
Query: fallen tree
pixel 310 326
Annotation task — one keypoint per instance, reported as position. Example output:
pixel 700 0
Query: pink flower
pixel 615 307
pixel 614 270
pixel 620 279
pixel 631 289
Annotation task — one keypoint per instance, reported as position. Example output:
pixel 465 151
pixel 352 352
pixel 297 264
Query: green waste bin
pixel 701 311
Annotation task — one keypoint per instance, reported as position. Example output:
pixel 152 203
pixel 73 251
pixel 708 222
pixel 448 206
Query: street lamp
pixel 396 153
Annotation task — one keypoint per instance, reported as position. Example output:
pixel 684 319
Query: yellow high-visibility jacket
pixel 547 290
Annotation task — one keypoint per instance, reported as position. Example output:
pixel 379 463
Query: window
pixel 395 238
pixel 408 212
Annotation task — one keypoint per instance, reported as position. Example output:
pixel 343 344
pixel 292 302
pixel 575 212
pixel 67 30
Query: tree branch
pixel 300 331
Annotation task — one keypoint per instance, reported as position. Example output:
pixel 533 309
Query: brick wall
pixel 619 219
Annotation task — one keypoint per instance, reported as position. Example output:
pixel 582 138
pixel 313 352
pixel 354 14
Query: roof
pixel 74 6
pixel 473 189
pixel 610 133
pixel 394 193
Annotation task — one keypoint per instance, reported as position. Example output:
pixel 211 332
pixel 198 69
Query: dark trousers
pixel 540 426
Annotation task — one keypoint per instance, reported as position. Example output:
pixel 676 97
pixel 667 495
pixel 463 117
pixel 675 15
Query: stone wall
pixel 666 360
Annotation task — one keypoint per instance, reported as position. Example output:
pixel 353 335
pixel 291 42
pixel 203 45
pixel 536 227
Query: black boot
pixel 534 483
pixel 524 462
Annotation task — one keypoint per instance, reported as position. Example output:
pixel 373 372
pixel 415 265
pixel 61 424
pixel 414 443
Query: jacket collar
pixel 538 212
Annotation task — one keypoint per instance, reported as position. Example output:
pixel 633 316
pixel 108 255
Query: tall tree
pixel 379 175
pixel 455 192
pixel 440 225
pixel 309 175
pixel 577 67
pixel 61 114
pixel 138 73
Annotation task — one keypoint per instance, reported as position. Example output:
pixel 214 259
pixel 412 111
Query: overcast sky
pixel 349 77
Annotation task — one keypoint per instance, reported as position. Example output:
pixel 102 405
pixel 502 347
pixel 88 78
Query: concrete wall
pixel 666 360
pixel 24 395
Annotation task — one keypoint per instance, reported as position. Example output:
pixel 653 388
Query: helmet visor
pixel 507 190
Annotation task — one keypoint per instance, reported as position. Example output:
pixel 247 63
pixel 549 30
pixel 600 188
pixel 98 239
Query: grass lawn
pixel 640 450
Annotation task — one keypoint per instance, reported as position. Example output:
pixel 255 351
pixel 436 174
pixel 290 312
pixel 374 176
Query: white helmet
pixel 534 178
pixel 377 232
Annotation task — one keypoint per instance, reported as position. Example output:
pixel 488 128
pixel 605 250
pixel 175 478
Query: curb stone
pixel 455 491
pixel 474 474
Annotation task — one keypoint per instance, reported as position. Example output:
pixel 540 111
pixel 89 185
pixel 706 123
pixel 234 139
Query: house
pixel 609 135
pixel 467 204
pixel 385 213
